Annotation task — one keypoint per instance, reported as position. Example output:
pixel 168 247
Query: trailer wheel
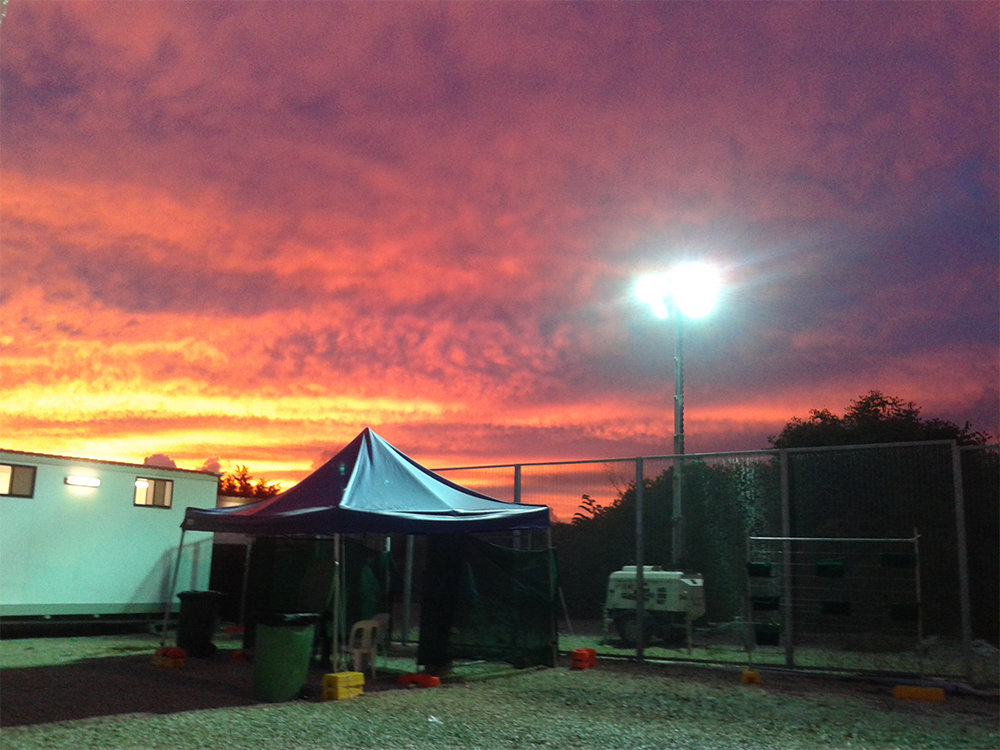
pixel 625 625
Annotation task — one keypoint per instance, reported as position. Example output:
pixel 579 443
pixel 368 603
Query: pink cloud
pixel 232 207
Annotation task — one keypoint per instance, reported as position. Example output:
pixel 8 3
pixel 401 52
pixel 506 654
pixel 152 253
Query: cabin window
pixel 153 492
pixel 17 481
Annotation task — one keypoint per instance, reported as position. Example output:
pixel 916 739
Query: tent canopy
pixel 370 486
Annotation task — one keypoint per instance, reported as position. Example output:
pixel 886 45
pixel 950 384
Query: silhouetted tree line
pixel 240 483
pixel 873 418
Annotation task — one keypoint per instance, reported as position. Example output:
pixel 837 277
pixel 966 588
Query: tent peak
pixel 371 486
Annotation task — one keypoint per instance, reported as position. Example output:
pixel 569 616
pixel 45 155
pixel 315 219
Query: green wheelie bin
pixel 282 651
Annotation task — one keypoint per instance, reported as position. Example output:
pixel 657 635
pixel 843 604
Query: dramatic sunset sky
pixel 241 232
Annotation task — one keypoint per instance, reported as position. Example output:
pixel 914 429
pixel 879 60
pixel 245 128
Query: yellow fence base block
pixel 912 692
pixel 750 677
pixel 340 685
pixel 344 679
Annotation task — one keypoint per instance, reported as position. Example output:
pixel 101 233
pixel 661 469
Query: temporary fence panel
pixel 594 530
pixel 981 495
pixel 887 491
pixel 834 603
pixel 852 492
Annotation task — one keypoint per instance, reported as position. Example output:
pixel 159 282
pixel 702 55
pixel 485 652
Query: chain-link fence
pixel 697 514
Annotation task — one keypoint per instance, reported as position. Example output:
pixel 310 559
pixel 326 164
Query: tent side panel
pixel 482 601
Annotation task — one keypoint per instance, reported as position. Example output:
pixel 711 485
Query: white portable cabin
pixel 84 537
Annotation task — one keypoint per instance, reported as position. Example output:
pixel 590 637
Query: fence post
pixel 786 562
pixel 963 560
pixel 517 501
pixel 640 583
pixel 678 554
pixel 920 603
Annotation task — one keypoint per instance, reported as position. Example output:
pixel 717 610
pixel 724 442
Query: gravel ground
pixel 45 680
pixel 81 692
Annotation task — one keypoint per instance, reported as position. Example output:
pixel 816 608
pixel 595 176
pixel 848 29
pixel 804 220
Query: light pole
pixel 690 291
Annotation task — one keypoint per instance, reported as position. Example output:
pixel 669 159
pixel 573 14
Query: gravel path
pixel 131 684
pixel 107 686
pixel 100 685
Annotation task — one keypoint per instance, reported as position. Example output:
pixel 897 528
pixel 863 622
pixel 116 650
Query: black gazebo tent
pixel 372 487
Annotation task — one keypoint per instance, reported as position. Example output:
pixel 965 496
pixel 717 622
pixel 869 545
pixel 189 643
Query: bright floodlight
pixel 693 288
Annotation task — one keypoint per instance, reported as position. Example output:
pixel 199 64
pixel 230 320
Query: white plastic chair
pixel 382 637
pixel 361 644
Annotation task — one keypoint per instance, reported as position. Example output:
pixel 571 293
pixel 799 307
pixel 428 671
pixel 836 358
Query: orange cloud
pixel 245 232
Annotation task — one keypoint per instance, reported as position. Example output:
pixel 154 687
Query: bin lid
pixel 287 618
pixel 201 594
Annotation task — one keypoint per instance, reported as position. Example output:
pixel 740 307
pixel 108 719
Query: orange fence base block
pixel 169 656
pixel 750 677
pixel 584 658
pixel 420 679
pixel 915 693
pixel 167 662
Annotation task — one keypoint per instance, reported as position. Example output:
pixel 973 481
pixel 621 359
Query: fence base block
pixel 584 658
pixel 750 677
pixel 912 692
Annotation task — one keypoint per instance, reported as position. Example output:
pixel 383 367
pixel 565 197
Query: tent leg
pixel 552 595
pixel 407 589
pixel 388 588
pixel 246 584
pixel 337 569
pixel 170 594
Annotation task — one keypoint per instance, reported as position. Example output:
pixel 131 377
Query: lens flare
pixel 653 290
